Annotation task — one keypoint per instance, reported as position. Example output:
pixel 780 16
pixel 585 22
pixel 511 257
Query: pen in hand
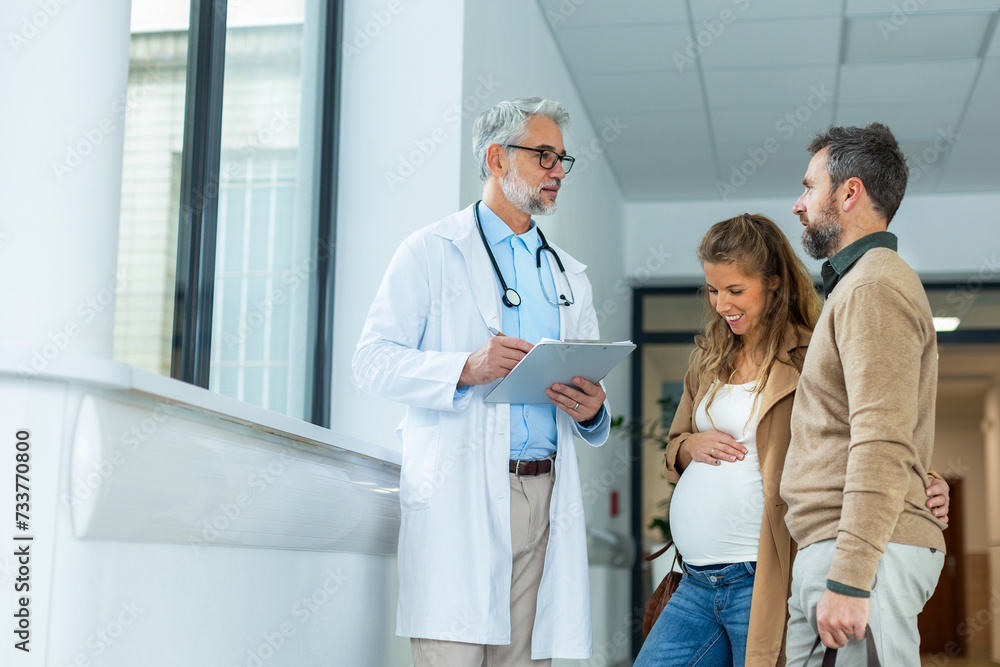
pixel 496 332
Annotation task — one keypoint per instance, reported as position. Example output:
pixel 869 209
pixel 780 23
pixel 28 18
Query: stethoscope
pixel 510 297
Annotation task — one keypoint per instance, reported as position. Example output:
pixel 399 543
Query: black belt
pixel 530 468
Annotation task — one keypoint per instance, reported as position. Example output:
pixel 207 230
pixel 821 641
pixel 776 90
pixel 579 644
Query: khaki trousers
pixel 904 581
pixel 529 531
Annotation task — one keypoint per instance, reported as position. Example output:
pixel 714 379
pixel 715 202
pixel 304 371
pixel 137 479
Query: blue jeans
pixel 705 622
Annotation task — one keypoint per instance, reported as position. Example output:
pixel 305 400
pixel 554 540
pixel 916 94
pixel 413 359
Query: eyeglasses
pixel 547 159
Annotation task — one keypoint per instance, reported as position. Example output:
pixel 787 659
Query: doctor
pixel 492 544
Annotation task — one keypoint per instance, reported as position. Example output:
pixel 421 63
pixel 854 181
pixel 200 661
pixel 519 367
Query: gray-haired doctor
pixel 492 544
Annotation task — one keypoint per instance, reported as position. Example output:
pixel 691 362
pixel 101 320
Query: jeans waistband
pixel 722 574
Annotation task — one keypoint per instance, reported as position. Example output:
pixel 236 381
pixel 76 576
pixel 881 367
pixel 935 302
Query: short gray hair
pixel 872 154
pixel 506 124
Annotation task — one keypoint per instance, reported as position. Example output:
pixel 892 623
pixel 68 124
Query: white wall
pixel 393 104
pixel 938 234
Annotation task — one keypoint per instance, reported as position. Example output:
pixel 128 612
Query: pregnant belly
pixel 716 512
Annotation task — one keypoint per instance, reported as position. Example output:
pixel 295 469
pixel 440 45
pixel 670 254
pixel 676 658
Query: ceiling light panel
pixel 658 132
pixel 783 125
pixel 578 13
pixel 789 86
pixel 682 172
pixel 707 10
pixel 988 85
pixel 623 49
pixel 905 120
pixel 605 94
pixel 775 43
pixel 973 163
pixel 913 7
pixel 921 36
pixel 900 82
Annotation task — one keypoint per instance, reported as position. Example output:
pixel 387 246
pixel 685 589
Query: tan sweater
pixel 863 421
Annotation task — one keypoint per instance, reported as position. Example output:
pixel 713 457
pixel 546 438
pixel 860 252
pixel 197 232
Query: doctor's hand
pixel 493 360
pixel 581 402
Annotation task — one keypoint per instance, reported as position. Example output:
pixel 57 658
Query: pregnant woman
pixel 727 449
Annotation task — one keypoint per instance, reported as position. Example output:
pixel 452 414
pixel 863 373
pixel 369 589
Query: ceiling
pixel 719 98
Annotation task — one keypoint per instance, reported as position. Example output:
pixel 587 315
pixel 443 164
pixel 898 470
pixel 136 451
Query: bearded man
pixel 492 542
pixel 870 546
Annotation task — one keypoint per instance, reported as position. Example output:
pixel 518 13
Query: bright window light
pixel 946 323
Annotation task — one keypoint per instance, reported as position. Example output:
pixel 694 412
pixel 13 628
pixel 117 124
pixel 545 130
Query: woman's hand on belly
pixel 711 447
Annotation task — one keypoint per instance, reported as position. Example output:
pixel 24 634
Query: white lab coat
pixel 432 310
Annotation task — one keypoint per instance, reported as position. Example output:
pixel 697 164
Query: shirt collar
pixel 834 268
pixel 498 232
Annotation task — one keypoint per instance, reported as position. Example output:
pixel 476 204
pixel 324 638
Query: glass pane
pixel 153 113
pixel 269 135
pixel 674 312
pixel 968 306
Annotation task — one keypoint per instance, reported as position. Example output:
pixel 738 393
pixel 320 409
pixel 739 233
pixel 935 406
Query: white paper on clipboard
pixel 552 361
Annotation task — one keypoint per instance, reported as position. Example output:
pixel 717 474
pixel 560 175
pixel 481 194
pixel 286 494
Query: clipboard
pixel 552 361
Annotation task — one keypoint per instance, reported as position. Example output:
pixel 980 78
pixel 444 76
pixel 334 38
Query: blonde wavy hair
pixel 757 247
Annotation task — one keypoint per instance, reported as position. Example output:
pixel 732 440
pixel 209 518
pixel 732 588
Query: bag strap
pixel 662 551
pixel 830 656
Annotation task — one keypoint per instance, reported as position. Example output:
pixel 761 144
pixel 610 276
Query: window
pixel 227 198
pixel 147 240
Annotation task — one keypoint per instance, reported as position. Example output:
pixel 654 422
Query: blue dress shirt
pixel 532 427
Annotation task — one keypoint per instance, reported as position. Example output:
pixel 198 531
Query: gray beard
pixel 519 193
pixel 820 241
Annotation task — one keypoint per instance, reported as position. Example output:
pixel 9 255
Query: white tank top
pixel 716 510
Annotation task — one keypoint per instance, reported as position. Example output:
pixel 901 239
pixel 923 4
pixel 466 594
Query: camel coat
pixel 769 608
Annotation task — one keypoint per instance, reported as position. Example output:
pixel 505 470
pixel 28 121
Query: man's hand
pixel 493 360
pixel 938 499
pixel 841 618
pixel 581 402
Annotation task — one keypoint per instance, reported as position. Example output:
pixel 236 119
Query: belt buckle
pixel 527 465
pixel 517 468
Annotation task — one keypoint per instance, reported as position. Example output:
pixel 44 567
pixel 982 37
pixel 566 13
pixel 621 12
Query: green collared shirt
pixel 834 268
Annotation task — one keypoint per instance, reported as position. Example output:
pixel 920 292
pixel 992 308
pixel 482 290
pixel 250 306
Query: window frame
pixel 191 349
